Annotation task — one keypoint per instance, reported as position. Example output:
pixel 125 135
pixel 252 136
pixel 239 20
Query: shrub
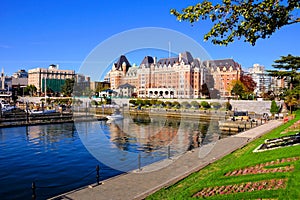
pixel 195 104
pixel 132 101
pixel 94 103
pixel 205 104
pixel 185 104
pixel 176 104
pixel 215 105
pixel 168 104
pixel 228 106
pixel 140 102
pixel 274 108
pixel 147 102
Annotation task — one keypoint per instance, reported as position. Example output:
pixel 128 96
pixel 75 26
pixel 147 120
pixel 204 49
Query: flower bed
pixel 260 168
pixel 273 184
pixel 279 142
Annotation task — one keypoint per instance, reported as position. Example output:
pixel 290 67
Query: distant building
pixel 125 90
pixel 177 77
pixel 20 74
pixel 19 80
pixel 223 73
pixel 262 79
pixel 82 82
pixel 52 78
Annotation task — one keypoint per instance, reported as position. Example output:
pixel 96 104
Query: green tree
pixel 287 68
pixel 251 19
pixel 67 88
pixel 30 90
pixel 274 108
pixel 291 100
pixel 101 87
pixel 238 89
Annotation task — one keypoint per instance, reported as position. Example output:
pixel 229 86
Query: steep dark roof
pixel 147 61
pixel 167 61
pixel 126 85
pixel 221 63
pixel 118 64
pixel 187 57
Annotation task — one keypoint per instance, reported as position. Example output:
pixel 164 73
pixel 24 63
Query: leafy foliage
pixel 185 104
pixel 195 104
pixel 274 107
pixel 30 90
pixel 290 65
pixel 205 104
pixel 249 83
pixel 67 88
pixel 251 19
pixel 238 89
pixel 215 105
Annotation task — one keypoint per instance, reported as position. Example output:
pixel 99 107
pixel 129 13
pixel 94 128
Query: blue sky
pixel 40 33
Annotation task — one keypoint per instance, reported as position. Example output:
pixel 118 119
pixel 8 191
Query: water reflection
pixel 50 134
pixel 155 133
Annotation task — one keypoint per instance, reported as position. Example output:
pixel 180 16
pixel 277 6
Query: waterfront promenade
pixel 139 184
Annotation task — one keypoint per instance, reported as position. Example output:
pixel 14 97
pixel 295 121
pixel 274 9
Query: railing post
pixel 33 188
pixel 98 174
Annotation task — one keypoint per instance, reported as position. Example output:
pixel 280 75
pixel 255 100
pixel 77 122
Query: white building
pixel 262 79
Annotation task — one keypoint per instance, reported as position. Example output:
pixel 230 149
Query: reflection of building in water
pixel 51 133
pixel 161 132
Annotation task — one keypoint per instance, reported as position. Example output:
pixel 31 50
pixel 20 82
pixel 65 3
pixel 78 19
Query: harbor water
pixel 63 157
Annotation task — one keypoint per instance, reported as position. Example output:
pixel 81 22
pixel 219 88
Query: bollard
pixel 230 130
pixel 256 123
pixel 33 187
pixel 238 128
pixel 260 121
pixel 251 123
pixel 139 161
pixel 98 174
pixel 245 127
pixel 169 152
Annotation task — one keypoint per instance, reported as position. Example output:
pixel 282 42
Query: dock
pixel 139 184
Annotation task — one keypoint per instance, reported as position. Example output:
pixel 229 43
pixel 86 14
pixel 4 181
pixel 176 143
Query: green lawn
pixel 214 174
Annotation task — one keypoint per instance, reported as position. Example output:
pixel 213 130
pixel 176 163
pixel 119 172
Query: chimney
pixel 154 60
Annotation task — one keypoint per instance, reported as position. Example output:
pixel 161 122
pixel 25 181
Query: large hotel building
pixel 177 77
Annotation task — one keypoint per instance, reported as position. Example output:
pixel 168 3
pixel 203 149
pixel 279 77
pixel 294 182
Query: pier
pixel 140 183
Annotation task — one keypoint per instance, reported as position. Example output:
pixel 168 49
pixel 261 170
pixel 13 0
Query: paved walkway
pixel 139 184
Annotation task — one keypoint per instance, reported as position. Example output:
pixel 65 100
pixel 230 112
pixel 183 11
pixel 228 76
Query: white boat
pixel 114 117
pixel 36 112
